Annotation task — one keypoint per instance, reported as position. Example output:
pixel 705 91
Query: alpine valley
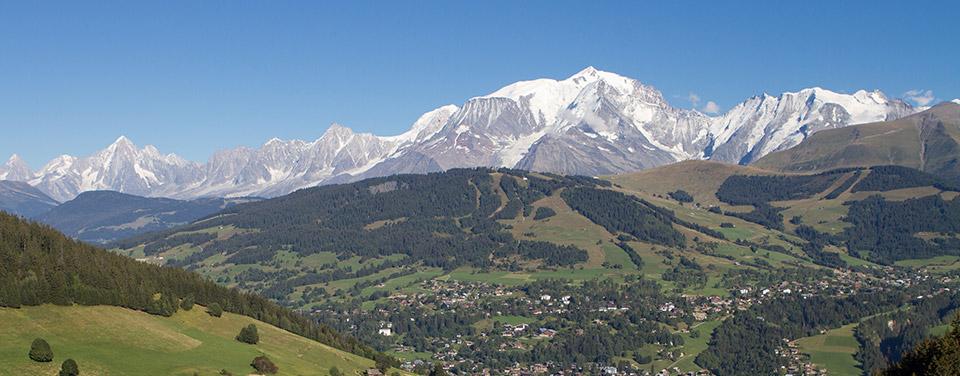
pixel 692 267
pixel 574 227
pixel 592 123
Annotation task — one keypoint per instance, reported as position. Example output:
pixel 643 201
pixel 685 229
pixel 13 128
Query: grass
pixel 939 330
pixel 945 260
pixel 694 346
pixel 833 350
pixel 939 264
pixel 701 179
pixel 567 227
pixel 116 341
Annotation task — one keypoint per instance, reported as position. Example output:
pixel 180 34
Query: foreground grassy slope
pixel 116 341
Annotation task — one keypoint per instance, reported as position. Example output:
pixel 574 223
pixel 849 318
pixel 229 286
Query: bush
pixel 187 303
pixel 249 335
pixel 334 371
pixel 681 196
pixel 544 212
pixel 40 351
pixel 264 365
pixel 69 368
pixel 215 310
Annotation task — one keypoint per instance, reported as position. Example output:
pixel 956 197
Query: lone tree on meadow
pixel 263 365
pixel 249 335
pixel 215 310
pixel 40 351
pixel 69 368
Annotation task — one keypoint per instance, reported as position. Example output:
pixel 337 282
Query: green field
pixel 116 341
pixel 694 346
pixel 833 350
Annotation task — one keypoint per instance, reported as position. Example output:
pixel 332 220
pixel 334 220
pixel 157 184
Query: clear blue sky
pixel 193 77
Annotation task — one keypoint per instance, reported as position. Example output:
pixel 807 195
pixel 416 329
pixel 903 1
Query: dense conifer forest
pixel 888 178
pixel 423 217
pixel 885 231
pixel 619 213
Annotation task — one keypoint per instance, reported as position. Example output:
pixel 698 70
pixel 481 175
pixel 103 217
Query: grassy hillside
pixel 701 179
pixel 42 266
pixel 117 341
pixel 927 141
pixel 833 350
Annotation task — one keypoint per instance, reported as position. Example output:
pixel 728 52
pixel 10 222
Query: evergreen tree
pixel 248 334
pixel 215 310
pixel 69 368
pixel 40 351
pixel 187 303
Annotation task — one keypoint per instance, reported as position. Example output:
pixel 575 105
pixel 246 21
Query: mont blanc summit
pixel 591 123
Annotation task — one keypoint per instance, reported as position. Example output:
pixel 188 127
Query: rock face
pixel 591 123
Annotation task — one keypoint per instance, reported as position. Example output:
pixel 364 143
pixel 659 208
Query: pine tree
pixel 187 303
pixel 215 310
pixel 69 368
pixel 248 334
pixel 40 351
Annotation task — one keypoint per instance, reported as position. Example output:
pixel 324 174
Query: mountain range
pixel 592 123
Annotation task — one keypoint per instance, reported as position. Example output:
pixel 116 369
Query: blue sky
pixel 193 77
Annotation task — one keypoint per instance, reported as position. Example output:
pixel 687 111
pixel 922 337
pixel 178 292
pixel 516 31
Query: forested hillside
pixel 39 265
pixel 103 216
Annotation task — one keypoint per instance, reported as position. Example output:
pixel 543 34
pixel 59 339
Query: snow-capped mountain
pixel 764 124
pixel 15 169
pixel 120 167
pixel 591 123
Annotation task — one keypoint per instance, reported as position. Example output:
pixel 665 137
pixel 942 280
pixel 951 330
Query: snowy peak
pixel 592 122
pixel 427 125
pixel 547 97
pixel 765 124
pixel 15 169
